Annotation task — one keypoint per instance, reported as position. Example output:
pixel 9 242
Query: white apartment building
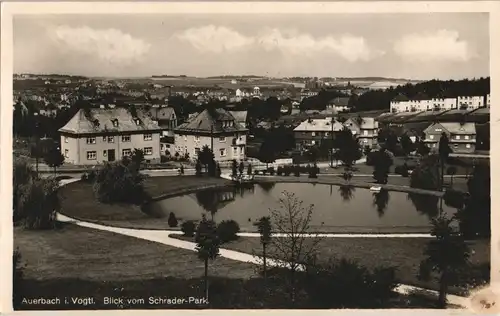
pixel 444 103
pixel 470 102
pixel 402 104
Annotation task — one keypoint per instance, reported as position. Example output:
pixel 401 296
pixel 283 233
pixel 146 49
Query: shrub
pixel 271 171
pixel 287 171
pixel 279 171
pixel 402 170
pixel 227 231
pixel 172 220
pixel 264 172
pixel 119 182
pixel 370 158
pixel 313 171
pixel 346 284
pixel 188 228
pixel 296 171
pixel 454 198
pixel 249 169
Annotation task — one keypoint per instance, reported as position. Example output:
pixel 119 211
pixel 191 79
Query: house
pixel 240 117
pixel 439 104
pixel 462 137
pixel 312 131
pixel 399 104
pixel 166 119
pixel 99 135
pixel 365 128
pixel 470 102
pixel 339 104
pixel 215 128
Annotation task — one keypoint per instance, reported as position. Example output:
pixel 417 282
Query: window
pixel 125 138
pixel 455 146
pixel 185 138
pixel 313 134
pixel 466 137
pixel 91 155
pixel 148 151
pixel 148 136
pixel 222 139
pixel 235 151
pixel 222 152
pixel 467 146
pixel 431 136
pixel 66 153
pixel 196 151
pixel 90 140
pixel 365 133
pixel 326 133
pixel 104 153
pixel 197 138
pixel 110 139
pixel 115 123
pixel 242 150
pixel 457 136
pixel 65 139
pixel 438 130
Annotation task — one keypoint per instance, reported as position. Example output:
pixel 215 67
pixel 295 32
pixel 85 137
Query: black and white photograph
pixel 242 160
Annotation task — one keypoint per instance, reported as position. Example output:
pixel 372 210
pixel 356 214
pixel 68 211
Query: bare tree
pixel 295 244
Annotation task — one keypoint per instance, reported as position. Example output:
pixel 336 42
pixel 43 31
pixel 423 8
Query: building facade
pixel 365 129
pixel 439 104
pixel 470 102
pixel 166 119
pixel 312 132
pixel 102 135
pixel 462 137
pixel 218 130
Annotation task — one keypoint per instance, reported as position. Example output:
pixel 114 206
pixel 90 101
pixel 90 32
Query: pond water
pixel 339 209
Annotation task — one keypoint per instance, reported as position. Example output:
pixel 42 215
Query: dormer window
pixel 137 121
pixel 115 123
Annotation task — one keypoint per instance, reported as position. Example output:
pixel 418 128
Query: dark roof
pixel 400 97
pixel 426 116
pixel 101 121
pixel 210 121
pixel 340 101
pixel 402 117
pixel 421 96
pixel 164 113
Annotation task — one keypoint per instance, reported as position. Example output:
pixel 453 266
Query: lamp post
pixel 37 137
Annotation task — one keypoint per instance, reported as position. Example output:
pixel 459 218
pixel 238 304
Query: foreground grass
pixel 78 201
pixel 76 262
pixel 403 253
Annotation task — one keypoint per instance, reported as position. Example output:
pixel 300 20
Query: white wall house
pixel 470 102
pixel 444 103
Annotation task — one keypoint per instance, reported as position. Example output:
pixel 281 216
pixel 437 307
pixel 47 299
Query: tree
pixel 451 171
pixel 23 174
pixel 445 255
pixel 349 149
pixel 198 168
pixel 267 152
pixel 241 168
pixel 265 231
pixel 207 245
pixel 426 174
pixel 249 170
pixel 313 154
pixel 422 148
pixel 234 168
pixel 137 157
pixel 206 156
pixel 444 153
pixel 382 163
pixel 406 144
pixel 54 159
pixel 172 220
pixel 293 220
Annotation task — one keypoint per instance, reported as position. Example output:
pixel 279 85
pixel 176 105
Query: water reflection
pixel 380 201
pixel 266 186
pixel 346 192
pixel 212 200
pixel 425 204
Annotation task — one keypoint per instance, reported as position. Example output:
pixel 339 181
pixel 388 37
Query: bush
pixel 454 198
pixel 346 284
pixel 279 171
pixel 120 182
pixel 188 228
pixel 296 171
pixel 287 170
pixel 227 231
pixel 271 171
pixel 313 171
pixel 370 158
pixel 172 220
pixel 401 170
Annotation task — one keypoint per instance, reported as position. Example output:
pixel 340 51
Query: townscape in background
pixel 171 118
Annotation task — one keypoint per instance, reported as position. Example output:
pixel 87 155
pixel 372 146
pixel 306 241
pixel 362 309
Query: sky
pixel 420 46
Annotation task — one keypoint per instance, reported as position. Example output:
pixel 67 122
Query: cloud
pixel 443 45
pixel 218 39
pixel 351 48
pixel 108 45
pixel 215 39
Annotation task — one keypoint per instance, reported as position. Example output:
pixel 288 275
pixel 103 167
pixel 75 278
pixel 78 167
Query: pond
pixel 339 209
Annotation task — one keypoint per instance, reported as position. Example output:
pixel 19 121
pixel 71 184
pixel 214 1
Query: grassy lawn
pixel 403 253
pixel 78 201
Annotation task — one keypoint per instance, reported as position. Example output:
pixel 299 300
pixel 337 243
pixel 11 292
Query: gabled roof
pixel 210 121
pixel 101 121
pixel 456 128
pixel 164 113
pixel 366 123
pixel 239 116
pixel 400 97
pixel 319 125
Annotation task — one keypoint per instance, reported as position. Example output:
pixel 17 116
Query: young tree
pixel 249 170
pixel 349 149
pixel 206 156
pixel 207 245
pixel 137 157
pixel 406 144
pixel 382 163
pixel 267 153
pixel 234 168
pixel 241 168
pixel 446 255
pixel 451 171
pixel 444 153
pixel 293 220
pixel 54 159
pixel 264 227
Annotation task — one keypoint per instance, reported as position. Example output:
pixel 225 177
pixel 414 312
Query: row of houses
pixel 422 102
